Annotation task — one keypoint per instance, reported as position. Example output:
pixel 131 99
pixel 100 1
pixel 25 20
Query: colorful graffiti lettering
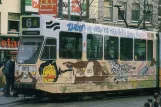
pixel 75 27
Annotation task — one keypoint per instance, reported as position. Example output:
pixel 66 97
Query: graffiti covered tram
pixel 60 56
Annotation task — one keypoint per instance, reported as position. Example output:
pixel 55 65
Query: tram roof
pixel 49 25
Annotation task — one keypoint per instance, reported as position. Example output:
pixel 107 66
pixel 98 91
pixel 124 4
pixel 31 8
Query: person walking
pixel 8 71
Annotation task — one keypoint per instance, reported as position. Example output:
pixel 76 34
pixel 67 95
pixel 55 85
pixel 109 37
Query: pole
pixel 87 9
pixel 69 17
pixel 60 9
pixel 144 14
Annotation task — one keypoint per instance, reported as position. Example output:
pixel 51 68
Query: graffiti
pixel 109 85
pixel 85 87
pixel 134 83
pixel 70 78
pixel 67 88
pixel 122 85
pixel 75 27
pixel 49 71
pixel 146 84
pixel 150 82
pixel 144 70
pixel 26 77
pixel 86 71
pixel 120 71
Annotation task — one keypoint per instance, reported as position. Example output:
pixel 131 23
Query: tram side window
pixel 94 46
pixel 150 50
pixel 126 49
pixel 70 45
pixel 110 47
pixel 49 52
pixel 140 50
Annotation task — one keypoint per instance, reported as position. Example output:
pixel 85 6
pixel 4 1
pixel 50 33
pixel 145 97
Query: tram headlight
pixel 25 75
pixel 33 70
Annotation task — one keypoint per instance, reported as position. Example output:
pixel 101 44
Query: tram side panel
pixel 83 75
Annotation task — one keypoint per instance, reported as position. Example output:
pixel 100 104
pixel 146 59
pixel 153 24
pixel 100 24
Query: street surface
pixel 46 102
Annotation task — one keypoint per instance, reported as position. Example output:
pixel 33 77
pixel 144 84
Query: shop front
pixel 8 47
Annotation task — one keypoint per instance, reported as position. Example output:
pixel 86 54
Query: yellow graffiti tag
pixel 49 73
pixel 134 83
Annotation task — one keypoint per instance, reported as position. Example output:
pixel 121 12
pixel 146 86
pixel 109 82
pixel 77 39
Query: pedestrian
pixel 146 104
pixel 150 100
pixel 2 80
pixel 8 71
pixel 156 100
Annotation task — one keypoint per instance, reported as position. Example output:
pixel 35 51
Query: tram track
pixel 55 100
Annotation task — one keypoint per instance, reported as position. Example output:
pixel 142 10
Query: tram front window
pixel 29 50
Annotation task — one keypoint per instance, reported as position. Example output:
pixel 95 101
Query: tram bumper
pixel 20 85
pixel 28 89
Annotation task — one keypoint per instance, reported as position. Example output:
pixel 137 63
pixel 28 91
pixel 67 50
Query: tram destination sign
pixel 31 32
pixel 30 22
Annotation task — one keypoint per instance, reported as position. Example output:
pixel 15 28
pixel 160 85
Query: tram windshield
pixel 29 50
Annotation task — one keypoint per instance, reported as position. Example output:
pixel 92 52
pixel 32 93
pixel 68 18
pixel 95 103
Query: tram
pixel 60 56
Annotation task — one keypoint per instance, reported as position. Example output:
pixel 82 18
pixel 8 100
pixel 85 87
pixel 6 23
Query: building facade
pixel 10 12
pixel 134 12
pixel 9 15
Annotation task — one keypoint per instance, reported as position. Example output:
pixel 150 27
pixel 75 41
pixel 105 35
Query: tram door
pixel 49 56
pixel 49 50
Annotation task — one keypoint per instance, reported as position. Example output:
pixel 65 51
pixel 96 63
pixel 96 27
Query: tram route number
pixel 25 68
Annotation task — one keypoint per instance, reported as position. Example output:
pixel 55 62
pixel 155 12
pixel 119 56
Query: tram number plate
pixel 25 68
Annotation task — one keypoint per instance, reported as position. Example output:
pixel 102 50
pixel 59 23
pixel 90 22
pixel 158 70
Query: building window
pixel 13 26
pixel 159 1
pixel 135 12
pixel 159 13
pixel 13 23
pixel 123 10
pixel 149 15
pixel 108 9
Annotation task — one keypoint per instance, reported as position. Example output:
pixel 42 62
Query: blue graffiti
pixel 75 27
pixel 144 70
pixel 106 30
pixel 97 29
pixel 89 29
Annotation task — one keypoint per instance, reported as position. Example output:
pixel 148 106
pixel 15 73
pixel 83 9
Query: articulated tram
pixel 60 56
